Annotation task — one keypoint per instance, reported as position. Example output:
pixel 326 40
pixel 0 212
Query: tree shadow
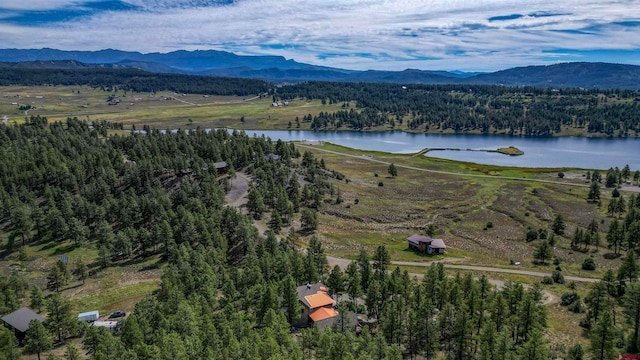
pixel 65 249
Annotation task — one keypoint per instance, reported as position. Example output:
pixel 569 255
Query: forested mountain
pixel 278 69
pixel 185 61
pixel 132 80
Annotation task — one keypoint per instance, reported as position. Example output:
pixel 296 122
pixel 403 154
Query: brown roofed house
pixel 18 321
pixel 426 244
pixel 317 305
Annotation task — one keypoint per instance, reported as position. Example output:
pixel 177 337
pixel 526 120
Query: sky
pixel 470 35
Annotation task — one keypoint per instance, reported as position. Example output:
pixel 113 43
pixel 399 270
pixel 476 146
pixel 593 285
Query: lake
pixel 547 152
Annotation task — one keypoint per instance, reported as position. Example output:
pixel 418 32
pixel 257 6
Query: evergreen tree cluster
pixel 133 80
pixel 624 234
pixel 466 108
pixel 130 195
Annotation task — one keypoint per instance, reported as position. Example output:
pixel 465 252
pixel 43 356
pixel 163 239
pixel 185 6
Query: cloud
pixel 358 34
pixel 42 5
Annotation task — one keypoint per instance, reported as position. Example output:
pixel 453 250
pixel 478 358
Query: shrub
pixel 542 234
pixel 576 307
pixel 532 235
pixel 560 175
pixel 489 225
pixel 380 183
pixel 356 201
pixel 557 277
pixel 547 280
pixel 556 261
pixel 575 353
pixel 589 264
pixel 569 298
pixel 375 174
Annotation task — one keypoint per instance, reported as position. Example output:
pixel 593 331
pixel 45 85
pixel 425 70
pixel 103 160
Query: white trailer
pixel 89 316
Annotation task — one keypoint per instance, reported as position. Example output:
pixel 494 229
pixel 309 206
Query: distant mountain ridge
pixel 280 70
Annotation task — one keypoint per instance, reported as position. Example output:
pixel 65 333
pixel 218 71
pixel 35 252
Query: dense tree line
pixel 228 293
pixel 225 292
pixel 463 108
pixel 133 80
pixel 129 195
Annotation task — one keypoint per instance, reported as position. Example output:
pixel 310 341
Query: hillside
pixel 280 70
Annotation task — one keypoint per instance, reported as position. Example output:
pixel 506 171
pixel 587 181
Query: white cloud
pixel 394 34
pixel 41 5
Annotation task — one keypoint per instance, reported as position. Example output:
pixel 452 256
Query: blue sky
pixel 471 35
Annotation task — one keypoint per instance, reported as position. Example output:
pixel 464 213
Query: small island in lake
pixel 511 150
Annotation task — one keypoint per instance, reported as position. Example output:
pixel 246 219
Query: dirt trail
pixel 182 101
pixel 549 298
pixel 237 196
pixel 344 262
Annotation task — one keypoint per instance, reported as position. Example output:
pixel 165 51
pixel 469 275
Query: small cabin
pixel 18 321
pixel 221 167
pixel 426 244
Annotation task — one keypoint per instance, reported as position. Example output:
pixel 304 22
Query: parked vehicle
pixel 89 316
pixel 117 314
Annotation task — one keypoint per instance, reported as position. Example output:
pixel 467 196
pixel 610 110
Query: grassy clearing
pixel 117 287
pixel 160 110
pixel 122 297
pixel 482 219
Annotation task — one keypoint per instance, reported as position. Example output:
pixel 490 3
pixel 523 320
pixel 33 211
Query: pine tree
pixel 37 298
pixel 290 298
pixel 255 203
pixel 353 283
pixel 603 338
pixel 276 221
pixel 335 282
pixel 37 338
pixel 81 270
pixel 543 252
pixel 631 301
pixel 393 171
pixel 60 319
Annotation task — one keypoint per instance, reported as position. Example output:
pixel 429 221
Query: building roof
pixel 310 289
pixel 417 238
pixel 323 314
pixel 220 165
pixel 319 299
pixel 20 318
pixel 437 244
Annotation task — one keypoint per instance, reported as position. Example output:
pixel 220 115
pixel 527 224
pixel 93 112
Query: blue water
pixel 575 152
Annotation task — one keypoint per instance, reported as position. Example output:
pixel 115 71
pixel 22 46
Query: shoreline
pixel 511 150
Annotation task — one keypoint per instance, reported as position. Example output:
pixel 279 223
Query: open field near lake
pixel 380 209
pixel 163 109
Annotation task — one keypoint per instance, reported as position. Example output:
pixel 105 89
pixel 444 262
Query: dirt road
pixel 343 263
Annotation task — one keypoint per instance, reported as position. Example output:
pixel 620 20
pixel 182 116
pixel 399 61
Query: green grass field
pixel 460 207
pixel 164 110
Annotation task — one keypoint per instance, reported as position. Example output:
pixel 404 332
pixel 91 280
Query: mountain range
pixel 277 69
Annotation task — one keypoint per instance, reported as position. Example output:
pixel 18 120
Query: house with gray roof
pixel 426 244
pixel 18 321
